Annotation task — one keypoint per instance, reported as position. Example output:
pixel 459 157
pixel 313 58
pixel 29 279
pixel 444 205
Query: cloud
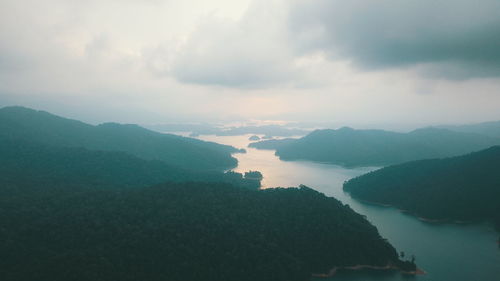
pixel 142 61
pixel 450 38
pixel 252 52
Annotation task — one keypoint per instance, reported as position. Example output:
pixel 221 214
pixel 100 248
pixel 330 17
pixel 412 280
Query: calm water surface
pixel 447 252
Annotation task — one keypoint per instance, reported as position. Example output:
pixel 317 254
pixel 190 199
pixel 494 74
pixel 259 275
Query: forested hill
pixel 35 163
pixel 19 123
pixel 183 231
pixel 458 188
pixel 349 147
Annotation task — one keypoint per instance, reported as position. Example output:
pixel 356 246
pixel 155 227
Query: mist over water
pixel 447 252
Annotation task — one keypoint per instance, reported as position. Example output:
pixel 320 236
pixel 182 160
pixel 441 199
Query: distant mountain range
pixel 465 188
pixel 491 129
pixel 206 129
pixel 350 147
pixel 19 123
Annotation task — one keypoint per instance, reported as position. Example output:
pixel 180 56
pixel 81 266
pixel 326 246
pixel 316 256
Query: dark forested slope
pixel 185 232
pixel 34 162
pixel 21 123
pixel 351 147
pixel 460 188
pixel 74 205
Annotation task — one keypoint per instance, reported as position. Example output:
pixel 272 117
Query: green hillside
pixel 349 147
pixel 19 123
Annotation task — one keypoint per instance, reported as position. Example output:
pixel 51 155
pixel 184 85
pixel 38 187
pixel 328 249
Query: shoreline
pixel 424 219
pixel 359 267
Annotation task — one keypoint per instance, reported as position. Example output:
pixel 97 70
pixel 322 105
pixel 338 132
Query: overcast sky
pixel 383 62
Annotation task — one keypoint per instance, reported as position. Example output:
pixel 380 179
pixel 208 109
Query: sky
pixel 360 63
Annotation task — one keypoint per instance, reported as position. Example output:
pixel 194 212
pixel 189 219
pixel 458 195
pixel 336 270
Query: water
pixel 447 252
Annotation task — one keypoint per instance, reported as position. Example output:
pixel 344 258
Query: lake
pixel 447 252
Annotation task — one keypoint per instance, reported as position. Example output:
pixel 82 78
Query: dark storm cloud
pixel 451 38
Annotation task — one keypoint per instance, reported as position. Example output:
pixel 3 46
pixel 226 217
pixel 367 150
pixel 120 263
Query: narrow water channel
pixel 447 252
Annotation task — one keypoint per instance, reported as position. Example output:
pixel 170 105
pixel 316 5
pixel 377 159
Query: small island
pixel 254 138
pixel 254 175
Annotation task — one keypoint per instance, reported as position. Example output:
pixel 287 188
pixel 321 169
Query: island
pixel 255 175
pixel 351 148
pixel 254 138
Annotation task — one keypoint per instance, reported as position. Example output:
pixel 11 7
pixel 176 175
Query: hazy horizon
pixel 386 64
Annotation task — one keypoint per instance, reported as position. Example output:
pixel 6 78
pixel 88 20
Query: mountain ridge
pixel 350 147
pixel 28 124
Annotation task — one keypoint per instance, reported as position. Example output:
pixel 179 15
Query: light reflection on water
pixel 447 252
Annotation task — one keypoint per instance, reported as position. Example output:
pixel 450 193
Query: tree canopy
pixel 19 123
pixel 457 188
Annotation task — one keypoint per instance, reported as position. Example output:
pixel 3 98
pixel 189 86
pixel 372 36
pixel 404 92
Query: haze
pixel 371 63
